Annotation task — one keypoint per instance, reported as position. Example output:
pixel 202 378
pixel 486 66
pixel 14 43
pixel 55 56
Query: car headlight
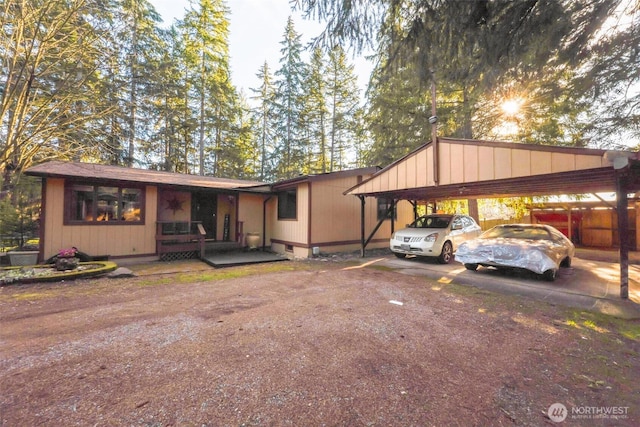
pixel 431 237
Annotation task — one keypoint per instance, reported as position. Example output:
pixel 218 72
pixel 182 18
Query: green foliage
pixel 573 65
pixel 20 211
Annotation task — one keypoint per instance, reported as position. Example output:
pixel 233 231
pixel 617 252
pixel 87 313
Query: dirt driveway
pixel 305 343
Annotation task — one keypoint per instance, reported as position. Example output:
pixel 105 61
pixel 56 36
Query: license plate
pixel 405 247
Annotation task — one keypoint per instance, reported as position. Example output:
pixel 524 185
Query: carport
pixel 471 169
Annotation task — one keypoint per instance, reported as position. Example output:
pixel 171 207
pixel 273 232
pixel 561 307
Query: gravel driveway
pixel 300 344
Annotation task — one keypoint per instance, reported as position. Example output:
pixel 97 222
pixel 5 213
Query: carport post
pixel 623 233
pixel 362 224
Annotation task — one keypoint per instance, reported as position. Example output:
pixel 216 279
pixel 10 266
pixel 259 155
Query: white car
pixel 541 249
pixel 434 236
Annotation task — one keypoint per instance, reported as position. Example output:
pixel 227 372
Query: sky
pixel 256 28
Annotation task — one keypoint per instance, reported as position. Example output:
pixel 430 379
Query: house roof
pixel 58 169
pixel 329 175
pixel 474 168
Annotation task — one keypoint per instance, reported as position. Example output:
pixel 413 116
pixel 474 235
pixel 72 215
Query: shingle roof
pixel 58 169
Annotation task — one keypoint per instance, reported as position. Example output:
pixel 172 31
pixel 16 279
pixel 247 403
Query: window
pixel 103 204
pixel 383 209
pixel 287 204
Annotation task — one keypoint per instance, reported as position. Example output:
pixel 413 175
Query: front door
pixel 204 207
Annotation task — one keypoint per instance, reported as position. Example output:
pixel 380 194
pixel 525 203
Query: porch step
pixel 216 246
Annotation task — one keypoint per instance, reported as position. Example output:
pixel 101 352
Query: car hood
pixel 420 232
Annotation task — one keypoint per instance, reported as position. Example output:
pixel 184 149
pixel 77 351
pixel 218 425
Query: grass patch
pixel 603 324
pixel 209 273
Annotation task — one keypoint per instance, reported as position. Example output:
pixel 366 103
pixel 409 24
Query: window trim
pixel 68 208
pixel 288 208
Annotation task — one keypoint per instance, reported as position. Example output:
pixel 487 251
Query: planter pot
pixel 23 257
pixel 253 240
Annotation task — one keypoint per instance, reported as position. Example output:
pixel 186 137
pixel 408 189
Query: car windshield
pixel 514 232
pixel 431 222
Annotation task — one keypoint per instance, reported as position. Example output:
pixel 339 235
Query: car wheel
pixel 472 267
pixel 446 256
pixel 549 275
pixel 400 255
pixel 566 263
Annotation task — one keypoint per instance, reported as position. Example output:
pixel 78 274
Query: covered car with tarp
pixel 541 249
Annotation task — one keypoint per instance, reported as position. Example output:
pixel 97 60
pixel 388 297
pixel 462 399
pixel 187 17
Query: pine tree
pixel 289 105
pixel 265 122
pixel 316 115
pixel 206 33
pixel 344 102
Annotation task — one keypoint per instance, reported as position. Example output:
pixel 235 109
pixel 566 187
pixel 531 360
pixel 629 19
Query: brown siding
pixel 468 163
pixel 250 209
pixel 294 230
pixel 113 240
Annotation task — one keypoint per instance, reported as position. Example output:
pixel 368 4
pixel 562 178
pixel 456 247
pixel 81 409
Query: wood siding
pixel 250 210
pixel 329 219
pixel 462 163
pixel 294 230
pixel 112 240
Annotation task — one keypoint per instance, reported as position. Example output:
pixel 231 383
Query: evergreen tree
pixel 288 105
pixel 558 51
pixel 344 101
pixel 137 42
pixel 51 80
pixel 265 122
pixel 206 32
pixel 316 115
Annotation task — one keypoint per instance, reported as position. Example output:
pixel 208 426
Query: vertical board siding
pixel 392 180
pixel 444 160
pixel 470 162
pixel 485 164
pixel 422 179
pixel 291 230
pixel 113 240
pixel 412 173
pixel 467 163
pixel 456 162
pixel 402 175
pixel 589 162
pixel 335 217
pixel 540 162
pixel 250 209
pixel 502 163
pixel 521 163
pixel 562 162
pixel 429 165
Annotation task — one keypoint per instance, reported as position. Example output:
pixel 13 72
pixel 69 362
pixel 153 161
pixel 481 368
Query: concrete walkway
pixel 592 282
pixel 233 258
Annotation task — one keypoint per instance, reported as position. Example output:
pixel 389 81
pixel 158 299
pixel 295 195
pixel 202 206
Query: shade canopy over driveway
pixel 470 169
pixel 490 169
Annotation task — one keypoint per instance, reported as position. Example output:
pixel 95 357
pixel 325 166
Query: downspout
pixel 264 222
pixel 362 243
pixel 43 218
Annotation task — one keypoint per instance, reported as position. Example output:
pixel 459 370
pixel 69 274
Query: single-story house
pixel 126 212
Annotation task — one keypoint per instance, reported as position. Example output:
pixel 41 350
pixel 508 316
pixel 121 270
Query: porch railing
pixel 180 236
